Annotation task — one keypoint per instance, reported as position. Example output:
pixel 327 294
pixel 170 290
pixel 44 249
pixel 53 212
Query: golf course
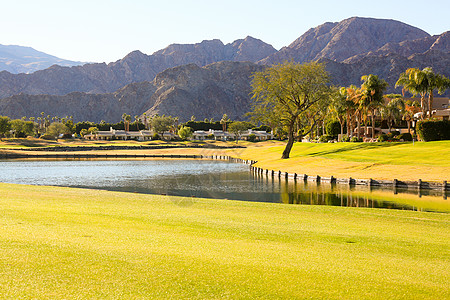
pixel 65 243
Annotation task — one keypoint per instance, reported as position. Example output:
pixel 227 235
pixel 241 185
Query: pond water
pixel 209 179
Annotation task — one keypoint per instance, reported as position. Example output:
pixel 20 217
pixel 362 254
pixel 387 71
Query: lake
pixel 209 179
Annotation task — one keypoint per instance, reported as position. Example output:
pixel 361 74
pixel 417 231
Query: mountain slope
pixel 19 59
pixel 183 91
pixel 350 37
pixel 135 67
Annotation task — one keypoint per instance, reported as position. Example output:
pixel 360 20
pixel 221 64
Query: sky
pixel 107 30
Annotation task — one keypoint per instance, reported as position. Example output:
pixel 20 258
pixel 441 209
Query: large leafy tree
pixel 373 89
pixel 290 93
pixel 5 125
pixel 161 124
pixel 238 128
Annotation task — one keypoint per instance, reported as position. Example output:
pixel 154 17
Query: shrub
pixel 355 139
pixel 156 137
pixel 391 136
pixel 325 138
pixel 431 130
pixel 210 137
pixel 47 137
pixel 345 138
pixel 407 137
pixel 382 138
pixel 185 132
pixel 333 128
pixel 252 138
pixel 67 136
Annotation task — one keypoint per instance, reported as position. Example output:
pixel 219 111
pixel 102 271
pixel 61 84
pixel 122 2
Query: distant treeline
pixel 103 126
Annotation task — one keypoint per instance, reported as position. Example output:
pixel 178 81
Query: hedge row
pixel 430 130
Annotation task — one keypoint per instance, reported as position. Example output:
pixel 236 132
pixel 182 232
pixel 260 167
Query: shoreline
pixel 394 183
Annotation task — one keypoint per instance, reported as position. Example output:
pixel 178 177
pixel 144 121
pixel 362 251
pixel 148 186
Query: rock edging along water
pixel 395 183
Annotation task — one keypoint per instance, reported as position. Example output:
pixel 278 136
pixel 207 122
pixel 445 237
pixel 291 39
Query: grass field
pixel 61 243
pixel 404 161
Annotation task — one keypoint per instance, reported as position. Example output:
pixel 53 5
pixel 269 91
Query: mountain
pixel 410 47
pixel 350 37
pixel 183 91
pixel 388 67
pixel 135 67
pixel 209 79
pixel 19 59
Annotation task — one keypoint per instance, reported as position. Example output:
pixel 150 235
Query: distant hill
pixel 19 59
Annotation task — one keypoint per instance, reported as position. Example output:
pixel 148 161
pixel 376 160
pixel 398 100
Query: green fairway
pixel 61 243
pixel 404 161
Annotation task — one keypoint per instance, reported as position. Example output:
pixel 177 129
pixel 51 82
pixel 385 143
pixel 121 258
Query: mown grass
pixel 404 161
pixel 62 243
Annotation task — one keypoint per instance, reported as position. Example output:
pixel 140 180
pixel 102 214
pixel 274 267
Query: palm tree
pixel 434 81
pixel 408 114
pixel 393 110
pixel 126 120
pixel 145 121
pixel 224 121
pixel 373 89
pixel 137 120
pixel 354 96
pixel 414 82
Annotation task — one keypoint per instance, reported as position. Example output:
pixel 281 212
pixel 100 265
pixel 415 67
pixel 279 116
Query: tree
pixel 291 92
pixel 339 106
pixel 22 128
pixel 93 130
pixel 237 128
pixel 413 81
pixel 437 82
pixel 393 110
pixel 410 110
pixel 83 132
pixel 185 132
pixel 126 121
pixel 224 122
pixel 56 129
pixel 161 124
pixel 373 89
pixel 5 125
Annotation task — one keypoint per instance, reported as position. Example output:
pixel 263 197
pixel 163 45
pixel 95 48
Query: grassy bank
pixel 404 161
pixel 70 243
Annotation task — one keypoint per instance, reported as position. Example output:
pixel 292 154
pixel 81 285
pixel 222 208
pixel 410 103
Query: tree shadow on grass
pixel 356 146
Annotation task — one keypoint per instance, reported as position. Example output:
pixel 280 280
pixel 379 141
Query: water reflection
pixel 211 179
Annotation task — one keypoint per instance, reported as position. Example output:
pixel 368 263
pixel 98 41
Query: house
pixel 440 109
pixel 259 135
pixel 227 136
pixel 113 134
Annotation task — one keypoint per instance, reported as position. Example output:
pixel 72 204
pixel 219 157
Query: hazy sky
pixel 107 30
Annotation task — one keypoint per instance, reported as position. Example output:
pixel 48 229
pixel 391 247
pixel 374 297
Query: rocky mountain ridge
pixel 183 91
pixel 135 67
